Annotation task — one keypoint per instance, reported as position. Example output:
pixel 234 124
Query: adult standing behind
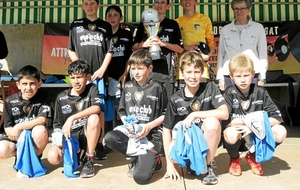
pixel 3 50
pixel 90 39
pixel 245 36
pixel 168 38
pixel 195 27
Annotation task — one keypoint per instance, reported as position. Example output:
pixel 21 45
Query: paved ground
pixel 281 172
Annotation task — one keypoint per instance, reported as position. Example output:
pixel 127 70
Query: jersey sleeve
pixel 57 120
pixel 94 95
pixel 177 37
pixel 209 35
pixel 217 98
pixel 170 115
pixel 139 33
pixel 71 45
pixel 8 117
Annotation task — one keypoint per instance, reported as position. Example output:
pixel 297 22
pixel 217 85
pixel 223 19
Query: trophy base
pixel 155 55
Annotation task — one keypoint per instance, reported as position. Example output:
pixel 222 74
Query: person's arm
pixel 100 72
pixel 150 125
pixel 138 39
pixel 73 56
pixel 262 55
pixel 171 171
pixel 221 113
pixel 85 113
pixel 14 132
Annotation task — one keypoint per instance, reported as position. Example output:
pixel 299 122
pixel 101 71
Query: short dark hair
pixel 79 66
pixel 141 56
pixel 97 1
pixel 248 3
pixel 29 71
pixel 114 7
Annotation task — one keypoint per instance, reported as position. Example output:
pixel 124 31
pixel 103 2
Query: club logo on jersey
pixel 27 109
pixel 197 27
pixel 92 27
pixel 195 105
pixel 182 111
pixel 15 111
pixel 138 96
pixel 245 104
pixel 79 105
pixel 115 40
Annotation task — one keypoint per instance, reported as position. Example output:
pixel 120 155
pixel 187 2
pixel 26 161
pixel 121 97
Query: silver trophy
pixel 150 18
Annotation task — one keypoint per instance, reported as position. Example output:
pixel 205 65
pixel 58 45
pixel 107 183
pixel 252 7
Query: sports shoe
pixel 87 169
pixel 211 176
pixel 131 167
pixel 255 166
pixel 158 165
pixel 99 152
pixel 189 170
pixel 235 167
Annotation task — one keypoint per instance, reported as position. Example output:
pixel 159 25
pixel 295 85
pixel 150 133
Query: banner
pixel 283 41
pixel 55 59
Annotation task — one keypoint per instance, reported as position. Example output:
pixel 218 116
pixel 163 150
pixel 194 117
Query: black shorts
pixel 80 136
pixel 5 137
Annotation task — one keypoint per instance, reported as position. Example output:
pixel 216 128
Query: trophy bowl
pixel 150 19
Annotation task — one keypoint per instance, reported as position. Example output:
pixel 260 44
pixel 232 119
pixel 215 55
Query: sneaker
pixel 255 166
pixel 235 167
pixel 106 149
pixel 158 165
pixel 189 170
pixel 211 176
pixel 131 167
pixel 99 152
pixel 21 175
pixel 87 169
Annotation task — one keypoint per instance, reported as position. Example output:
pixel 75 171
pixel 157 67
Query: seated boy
pixel 195 101
pixel 243 99
pixel 146 100
pixel 76 113
pixel 26 110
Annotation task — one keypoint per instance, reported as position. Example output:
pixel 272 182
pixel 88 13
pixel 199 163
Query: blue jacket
pixel 190 145
pixel 71 147
pixel 265 148
pixel 27 160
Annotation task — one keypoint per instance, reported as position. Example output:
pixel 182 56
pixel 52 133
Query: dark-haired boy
pixel 77 113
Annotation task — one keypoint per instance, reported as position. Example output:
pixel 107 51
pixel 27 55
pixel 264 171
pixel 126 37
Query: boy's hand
pixel 187 122
pixel 98 74
pixel 14 132
pixel 243 130
pixel 172 173
pixel 145 131
pixel 67 128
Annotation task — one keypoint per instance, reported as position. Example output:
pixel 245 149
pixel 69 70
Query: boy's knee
pixel 110 138
pixel 212 124
pixel 39 132
pixel 54 157
pixel 93 122
pixel 141 179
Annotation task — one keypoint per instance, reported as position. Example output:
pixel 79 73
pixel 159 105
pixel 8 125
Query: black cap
pixel 204 48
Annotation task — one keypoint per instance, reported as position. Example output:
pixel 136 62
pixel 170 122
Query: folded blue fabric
pixel 27 160
pixel 71 147
pixel 102 91
pixel 265 148
pixel 109 111
pixel 190 146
